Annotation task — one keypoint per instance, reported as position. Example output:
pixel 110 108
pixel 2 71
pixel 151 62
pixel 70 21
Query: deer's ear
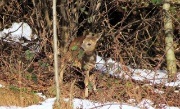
pixel 98 36
pixel 89 35
pixel 85 33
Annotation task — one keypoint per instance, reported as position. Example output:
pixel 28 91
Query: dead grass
pixel 15 97
pixel 111 89
pixel 35 75
pixel 63 105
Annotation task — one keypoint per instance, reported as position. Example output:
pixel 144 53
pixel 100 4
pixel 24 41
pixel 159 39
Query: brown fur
pixel 81 54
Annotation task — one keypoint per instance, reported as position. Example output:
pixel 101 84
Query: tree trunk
pixel 56 54
pixel 170 56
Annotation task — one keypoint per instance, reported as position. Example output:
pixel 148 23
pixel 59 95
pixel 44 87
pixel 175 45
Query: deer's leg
pixel 86 82
pixel 62 70
pixel 92 79
pixel 61 75
pixel 89 79
pixel 88 67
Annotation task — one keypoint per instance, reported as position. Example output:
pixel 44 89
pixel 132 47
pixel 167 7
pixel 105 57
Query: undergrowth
pixel 133 35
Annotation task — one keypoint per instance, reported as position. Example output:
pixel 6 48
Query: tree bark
pixel 170 56
pixel 56 54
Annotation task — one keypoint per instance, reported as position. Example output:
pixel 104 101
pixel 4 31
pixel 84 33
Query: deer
pixel 81 54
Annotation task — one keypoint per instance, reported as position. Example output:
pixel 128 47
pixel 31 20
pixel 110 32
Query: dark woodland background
pixel 133 32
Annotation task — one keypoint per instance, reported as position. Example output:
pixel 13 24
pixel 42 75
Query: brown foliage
pixel 133 32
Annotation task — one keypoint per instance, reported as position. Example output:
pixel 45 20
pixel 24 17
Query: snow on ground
pixel 20 33
pixel 19 30
pixel 87 104
pixel 16 32
pixel 155 77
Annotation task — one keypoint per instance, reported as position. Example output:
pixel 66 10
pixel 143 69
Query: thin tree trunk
pixel 170 56
pixel 56 54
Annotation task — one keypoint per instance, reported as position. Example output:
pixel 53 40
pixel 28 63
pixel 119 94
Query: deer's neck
pixel 90 57
pixel 90 53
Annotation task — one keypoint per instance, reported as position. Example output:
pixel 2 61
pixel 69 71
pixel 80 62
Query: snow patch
pixel 16 32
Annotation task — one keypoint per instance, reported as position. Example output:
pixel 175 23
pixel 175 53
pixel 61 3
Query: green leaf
pixel 44 65
pixel 75 47
pixel 85 67
pixel 157 2
pixel 28 77
pixel 173 9
pixel 90 19
pixel 30 70
pixel 116 81
pixel 80 54
pixel 109 85
pixel 154 1
pixel 82 9
pixel 86 12
pixel 14 88
pixel 29 55
pixel 90 86
pixel 34 77
pixel 128 84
